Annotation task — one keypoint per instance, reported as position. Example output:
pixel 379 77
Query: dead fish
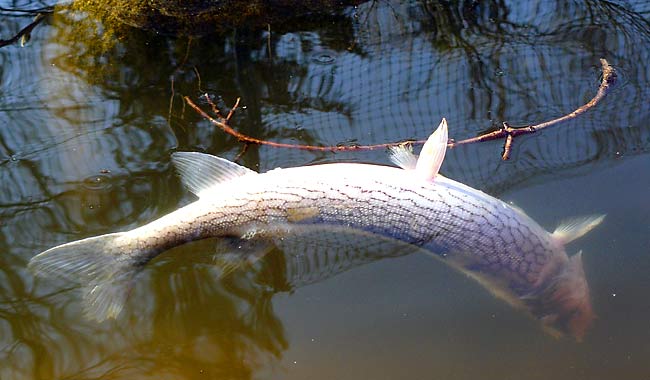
pixel 485 238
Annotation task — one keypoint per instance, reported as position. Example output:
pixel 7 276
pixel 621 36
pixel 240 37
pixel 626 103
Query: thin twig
pixel 176 70
pixel 26 31
pixel 222 123
pixel 171 101
pixel 241 153
pixel 214 107
pixel 198 76
pixel 232 110
pixel 507 132
pixel 268 42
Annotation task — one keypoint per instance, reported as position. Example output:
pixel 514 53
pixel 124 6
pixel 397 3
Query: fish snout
pixel 563 302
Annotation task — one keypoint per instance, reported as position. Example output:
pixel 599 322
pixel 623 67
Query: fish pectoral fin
pixel 433 153
pixel 200 172
pixel 314 253
pixel 232 254
pixel 571 229
pixel 402 156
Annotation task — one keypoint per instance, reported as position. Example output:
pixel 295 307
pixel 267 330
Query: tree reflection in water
pixel 86 129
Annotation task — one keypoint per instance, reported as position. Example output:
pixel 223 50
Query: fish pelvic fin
pixel 233 254
pixel 433 153
pixel 200 172
pixel 572 229
pixel 103 265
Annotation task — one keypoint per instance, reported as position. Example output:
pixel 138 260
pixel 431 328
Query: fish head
pixel 563 303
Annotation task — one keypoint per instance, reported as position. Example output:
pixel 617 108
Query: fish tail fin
pixel 104 265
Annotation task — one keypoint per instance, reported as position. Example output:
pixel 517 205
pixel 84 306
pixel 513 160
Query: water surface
pixel 87 128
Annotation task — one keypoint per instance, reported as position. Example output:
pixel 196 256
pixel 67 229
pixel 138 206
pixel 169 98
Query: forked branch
pixel 506 132
pixel 509 133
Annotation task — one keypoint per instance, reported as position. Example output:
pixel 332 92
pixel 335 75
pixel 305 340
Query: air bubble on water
pixel 97 182
pixel 324 57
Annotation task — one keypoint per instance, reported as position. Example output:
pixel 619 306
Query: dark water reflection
pixel 87 128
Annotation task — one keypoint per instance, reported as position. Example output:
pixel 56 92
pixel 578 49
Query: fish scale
pixel 449 220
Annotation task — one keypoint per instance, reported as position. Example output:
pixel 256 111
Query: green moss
pixel 199 17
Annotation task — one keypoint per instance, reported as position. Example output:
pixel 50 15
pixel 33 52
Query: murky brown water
pixel 86 133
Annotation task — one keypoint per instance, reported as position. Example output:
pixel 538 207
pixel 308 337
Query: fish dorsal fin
pixel 433 153
pixel 402 156
pixel 200 172
pixel 571 229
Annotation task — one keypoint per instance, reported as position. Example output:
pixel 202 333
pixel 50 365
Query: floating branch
pixel 608 79
pixel 507 132
pixel 223 123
